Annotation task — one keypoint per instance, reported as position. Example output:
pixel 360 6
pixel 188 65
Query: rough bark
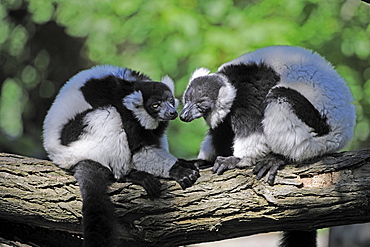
pixel 330 191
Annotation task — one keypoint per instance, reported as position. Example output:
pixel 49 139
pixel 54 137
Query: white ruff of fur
pixel 250 148
pixel 160 158
pixel 225 100
pixel 207 152
pixel 103 141
pixel 134 102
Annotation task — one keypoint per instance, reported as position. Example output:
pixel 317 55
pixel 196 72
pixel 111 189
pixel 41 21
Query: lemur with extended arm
pixel 270 107
pixel 111 121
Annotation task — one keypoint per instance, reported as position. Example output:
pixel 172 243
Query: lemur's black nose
pixel 172 114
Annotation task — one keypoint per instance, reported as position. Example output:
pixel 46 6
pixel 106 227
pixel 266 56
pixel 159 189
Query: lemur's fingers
pixel 270 164
pixel 273 172
pixel 225 163
pixel 261 169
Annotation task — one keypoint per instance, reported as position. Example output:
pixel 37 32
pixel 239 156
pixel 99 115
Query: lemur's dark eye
pixel 203 105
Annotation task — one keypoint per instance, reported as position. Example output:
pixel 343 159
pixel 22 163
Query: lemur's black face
pixel 159 101
pixel 200 97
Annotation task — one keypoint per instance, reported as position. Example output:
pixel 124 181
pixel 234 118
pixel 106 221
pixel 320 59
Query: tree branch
pixel 331 191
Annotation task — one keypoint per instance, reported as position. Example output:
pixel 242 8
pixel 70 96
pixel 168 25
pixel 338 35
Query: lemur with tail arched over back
pixel 270 107
pixel 109 122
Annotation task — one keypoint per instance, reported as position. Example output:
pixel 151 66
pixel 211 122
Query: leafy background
pixel 43 43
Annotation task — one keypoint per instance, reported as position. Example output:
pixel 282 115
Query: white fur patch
pixel 207 151
pixel 286 134
pixel 250 148
pixel 134 102
pixel 199 72
pixel 169 82
pixel 70 100
pixel 161 161
pixel 103 141
pixel 164 142
pixel 225 100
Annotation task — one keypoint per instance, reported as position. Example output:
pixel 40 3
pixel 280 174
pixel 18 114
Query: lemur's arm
pixel 207 153
pixel 166 165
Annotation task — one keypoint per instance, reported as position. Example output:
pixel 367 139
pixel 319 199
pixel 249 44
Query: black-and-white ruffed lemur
pixel 111 121
pixel 270 107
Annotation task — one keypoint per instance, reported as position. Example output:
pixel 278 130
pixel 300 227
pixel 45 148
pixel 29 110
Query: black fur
pixel 222 138
pixel 302 108
pixel 149 182
pixel 99 221
pixel 298 238
pixel 181 168
pixel 252 82
pixel 73 129
pixel 110 91
pixel 137 135
pixel 98 210
pixel 153 92
pixel 106 91
pixel 138 75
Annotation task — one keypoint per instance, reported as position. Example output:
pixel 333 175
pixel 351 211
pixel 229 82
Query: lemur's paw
pixel 225 163
pixel 270 164
pixel 149 182
pixel 185 172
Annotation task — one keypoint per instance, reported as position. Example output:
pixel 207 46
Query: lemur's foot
pixel 225 163
pixel 270 164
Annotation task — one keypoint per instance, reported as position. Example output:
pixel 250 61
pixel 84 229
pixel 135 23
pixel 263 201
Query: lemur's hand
pixel 184 172
pixel 149 182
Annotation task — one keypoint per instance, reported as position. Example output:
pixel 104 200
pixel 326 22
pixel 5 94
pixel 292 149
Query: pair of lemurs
pixel 264 109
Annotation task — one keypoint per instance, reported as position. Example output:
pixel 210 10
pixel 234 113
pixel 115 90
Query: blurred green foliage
pixel 43 43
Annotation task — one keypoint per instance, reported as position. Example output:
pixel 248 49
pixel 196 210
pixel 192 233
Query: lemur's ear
pixel 169 82
pixel 134 100
pixel 199 72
